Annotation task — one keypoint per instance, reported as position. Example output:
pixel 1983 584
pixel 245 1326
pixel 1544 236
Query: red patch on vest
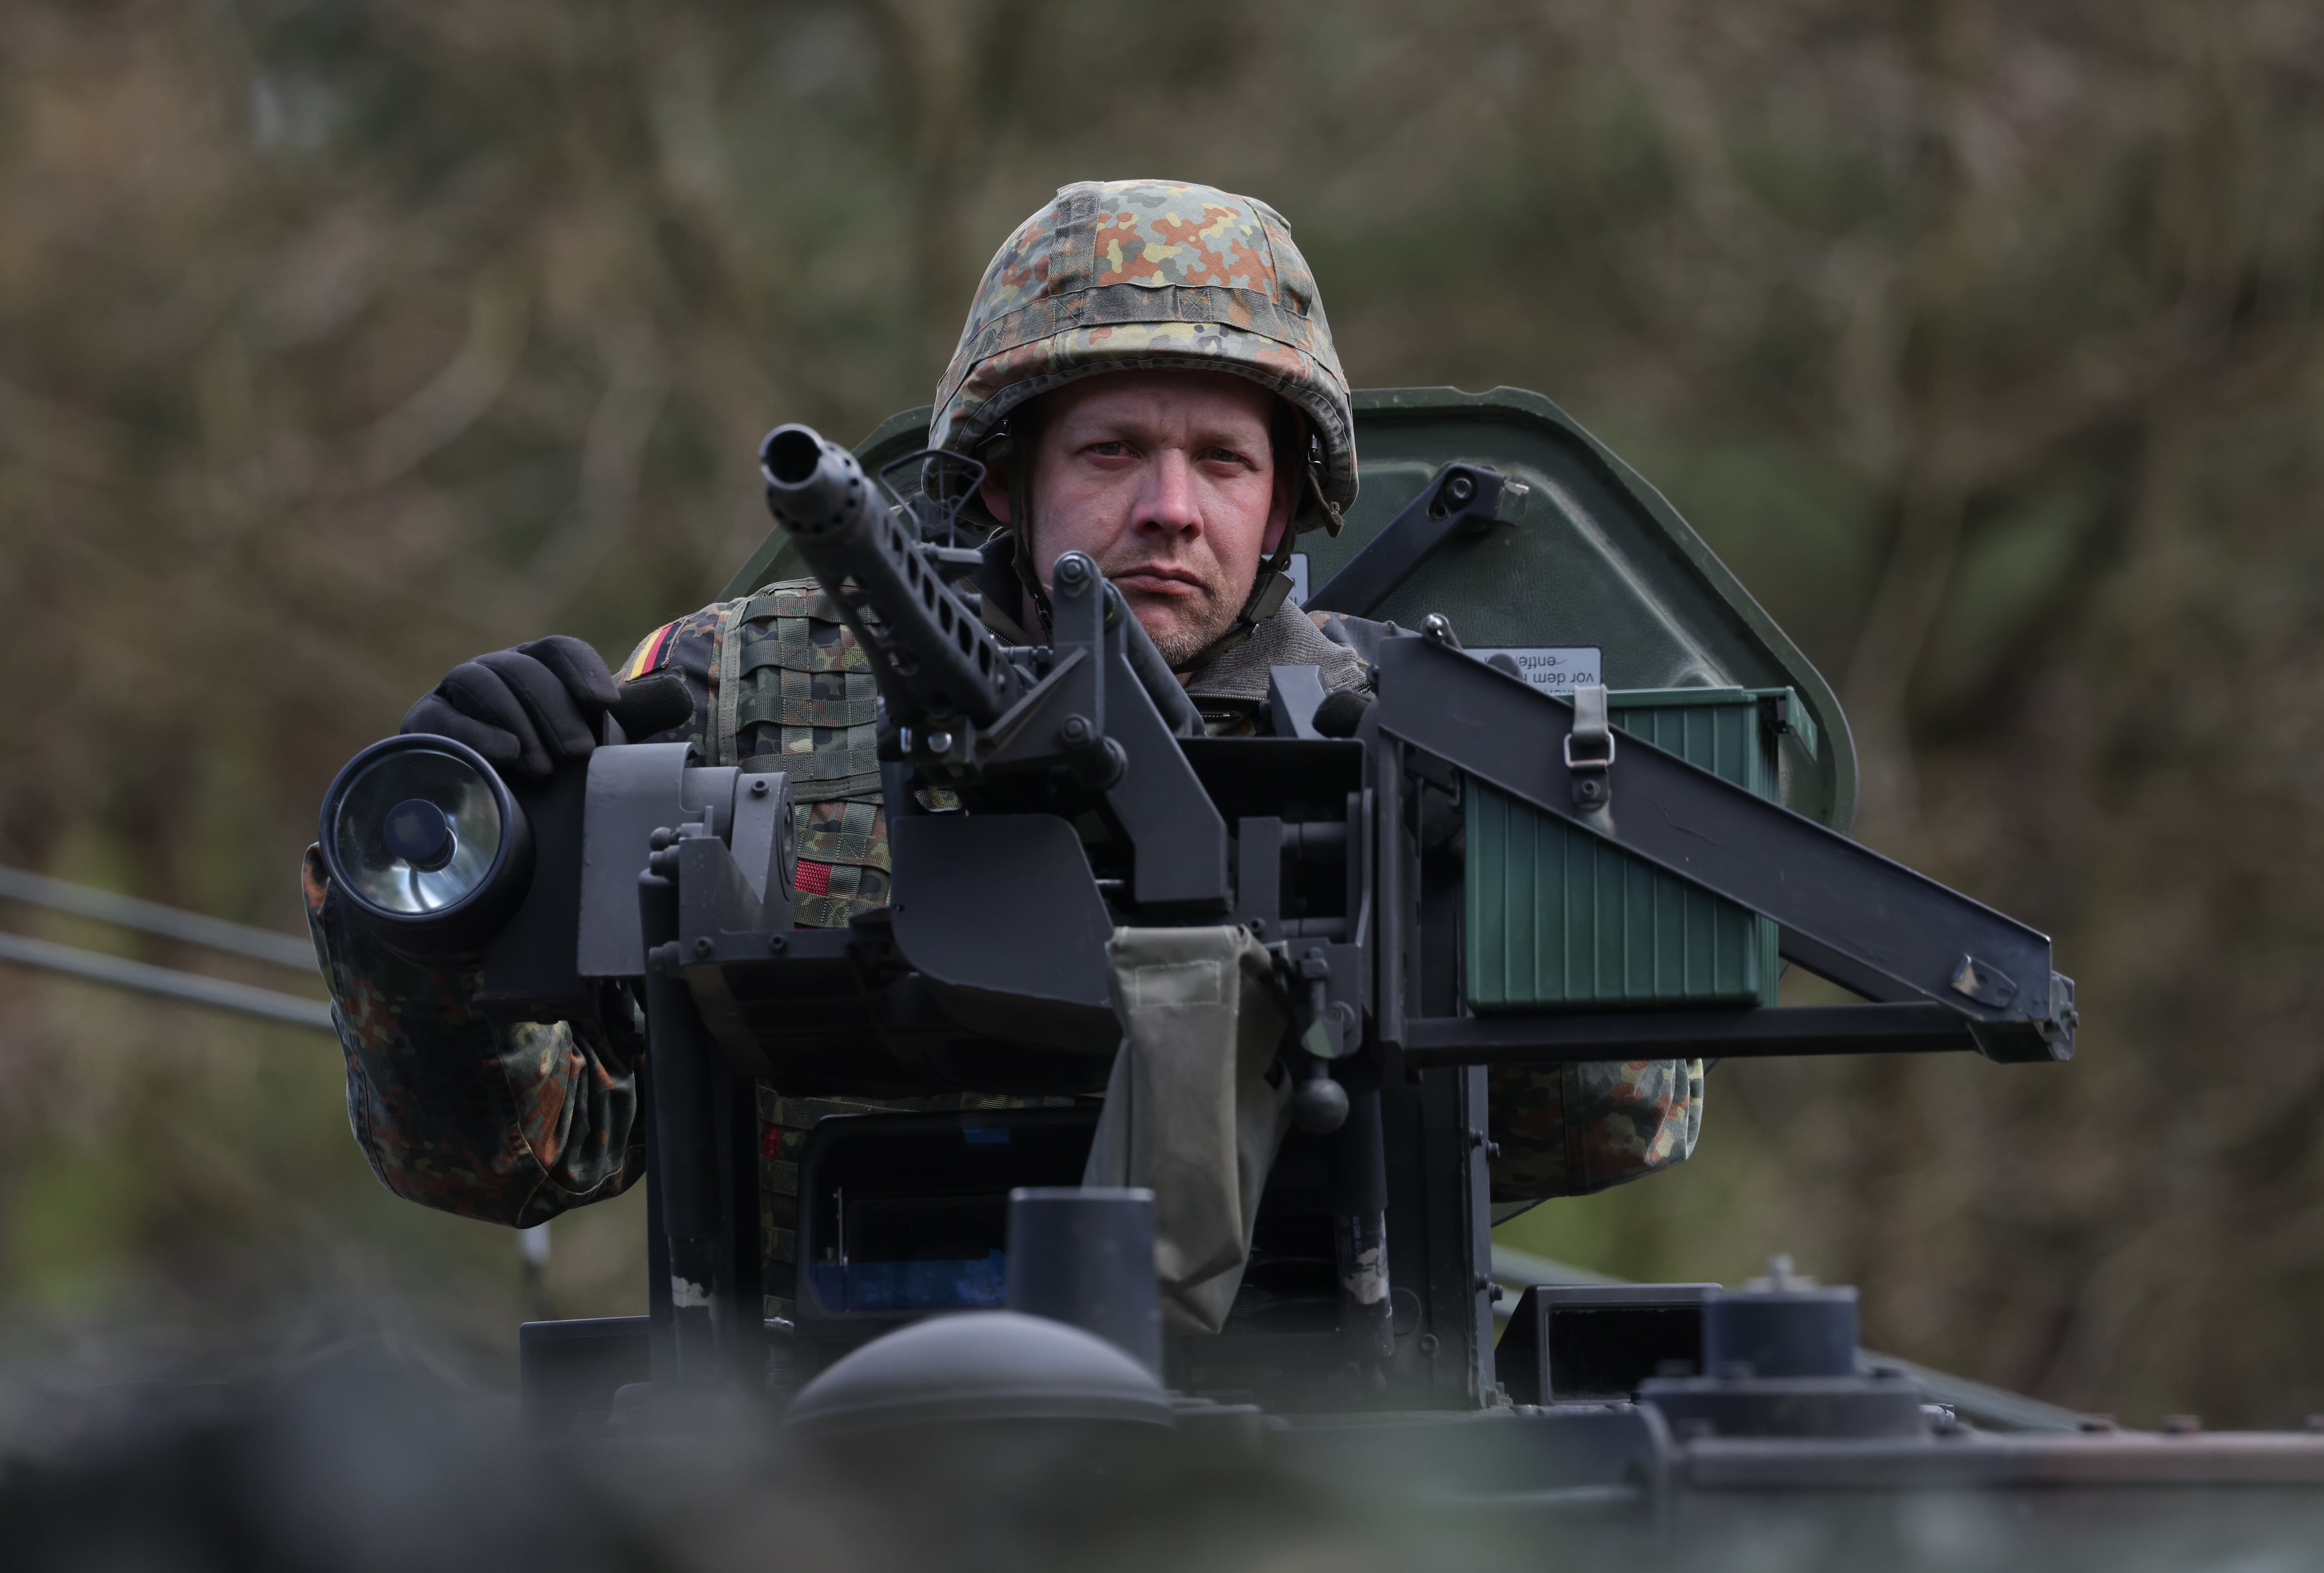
pixel 812 879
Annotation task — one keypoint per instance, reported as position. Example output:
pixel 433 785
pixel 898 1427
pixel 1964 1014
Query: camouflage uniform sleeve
pixel 688 650
pixel 1568 1130
pixel 511 1125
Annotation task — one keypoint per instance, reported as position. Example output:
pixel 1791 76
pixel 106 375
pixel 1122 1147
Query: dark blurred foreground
pixel 371 1459
pixel 363 1459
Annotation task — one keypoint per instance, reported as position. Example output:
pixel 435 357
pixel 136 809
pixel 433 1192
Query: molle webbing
pixel 806 696
pixel 842 847
pixel 804 705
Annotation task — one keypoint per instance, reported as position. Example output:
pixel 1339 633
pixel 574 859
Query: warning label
pixel 1559 668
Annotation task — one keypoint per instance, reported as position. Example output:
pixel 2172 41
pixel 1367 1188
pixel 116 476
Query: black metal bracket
pixel 1178 837
pixel 704 1185
pixel 1846 913
pixel 1092 716
pixel 1728 1034
pixel 1458 499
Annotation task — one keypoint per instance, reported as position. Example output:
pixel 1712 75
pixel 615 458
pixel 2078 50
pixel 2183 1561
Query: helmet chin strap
pixel 1001 449
pixel 1272 587
pixel 1269 592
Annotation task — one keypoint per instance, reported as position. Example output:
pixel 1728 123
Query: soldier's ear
pixel 1287 440
pixel 1279 508
pixel 993 490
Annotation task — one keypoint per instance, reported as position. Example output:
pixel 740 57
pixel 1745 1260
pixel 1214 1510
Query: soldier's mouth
pixel 1173 583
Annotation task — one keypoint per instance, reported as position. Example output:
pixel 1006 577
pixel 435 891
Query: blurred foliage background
pixel 341 341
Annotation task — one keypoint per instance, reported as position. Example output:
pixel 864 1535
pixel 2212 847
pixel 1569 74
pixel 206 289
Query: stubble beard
pixel 1194 629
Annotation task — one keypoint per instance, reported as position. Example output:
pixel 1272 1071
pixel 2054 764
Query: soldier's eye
pixel 1110 450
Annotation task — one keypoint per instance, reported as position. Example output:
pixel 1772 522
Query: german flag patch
pixel 652 653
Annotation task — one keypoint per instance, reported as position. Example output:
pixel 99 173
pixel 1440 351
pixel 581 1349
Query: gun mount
pixel 1422 871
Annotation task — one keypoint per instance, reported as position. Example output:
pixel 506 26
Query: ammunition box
pixel 1558 919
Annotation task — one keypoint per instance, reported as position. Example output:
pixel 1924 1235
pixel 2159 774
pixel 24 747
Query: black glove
pixel 527 709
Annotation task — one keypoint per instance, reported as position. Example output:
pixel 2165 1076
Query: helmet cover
pixel 1139 275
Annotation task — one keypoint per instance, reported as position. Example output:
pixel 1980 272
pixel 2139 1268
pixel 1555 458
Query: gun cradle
pixel 989 971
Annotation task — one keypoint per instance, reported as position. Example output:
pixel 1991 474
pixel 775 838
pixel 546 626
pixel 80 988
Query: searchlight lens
pixel 418 829
pixel 425 839
pixel 421 833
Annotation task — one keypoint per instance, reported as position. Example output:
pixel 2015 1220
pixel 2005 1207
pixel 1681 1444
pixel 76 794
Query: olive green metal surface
pixel 1559 918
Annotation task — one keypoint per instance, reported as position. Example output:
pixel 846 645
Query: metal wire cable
pixel 191 987
pixel 152 917
pixel 109 906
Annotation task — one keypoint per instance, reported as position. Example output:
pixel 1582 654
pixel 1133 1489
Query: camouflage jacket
pixel 516 1126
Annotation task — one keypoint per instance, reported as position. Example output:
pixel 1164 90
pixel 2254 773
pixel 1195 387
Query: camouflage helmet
pixel 1135 275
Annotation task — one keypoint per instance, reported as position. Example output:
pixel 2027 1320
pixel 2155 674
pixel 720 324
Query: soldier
pixel 1147 373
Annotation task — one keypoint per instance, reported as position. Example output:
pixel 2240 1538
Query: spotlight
pixel 427 842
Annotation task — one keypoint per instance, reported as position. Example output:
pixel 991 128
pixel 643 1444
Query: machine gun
pixel 941 672
pixel 1429 877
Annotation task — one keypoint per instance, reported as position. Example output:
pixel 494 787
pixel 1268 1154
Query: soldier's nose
pixel 1169 501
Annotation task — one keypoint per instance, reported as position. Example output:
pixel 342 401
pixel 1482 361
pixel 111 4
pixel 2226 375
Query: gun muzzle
pixel 933 656
pixel 814 488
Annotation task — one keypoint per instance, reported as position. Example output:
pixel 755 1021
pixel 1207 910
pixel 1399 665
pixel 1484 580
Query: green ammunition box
pixel 1558 919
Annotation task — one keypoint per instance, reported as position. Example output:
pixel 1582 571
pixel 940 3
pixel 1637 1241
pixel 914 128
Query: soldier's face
pixel 1168 480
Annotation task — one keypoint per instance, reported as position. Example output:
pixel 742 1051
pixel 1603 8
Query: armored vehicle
pixel 1598 806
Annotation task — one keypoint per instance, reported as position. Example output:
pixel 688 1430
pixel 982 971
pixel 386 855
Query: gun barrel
pixel 934 657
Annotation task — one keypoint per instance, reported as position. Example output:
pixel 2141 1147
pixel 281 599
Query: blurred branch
pixel 1903 608
pixel 457 397
pixel 612 455
pixel 1931 397
pixel 939 49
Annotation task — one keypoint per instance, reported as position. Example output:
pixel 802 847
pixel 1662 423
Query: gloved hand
pixel 527 709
